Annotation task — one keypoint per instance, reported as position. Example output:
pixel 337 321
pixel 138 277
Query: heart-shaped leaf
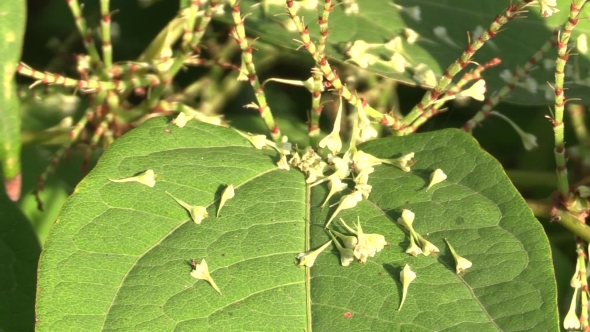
pixel 19 252
pixel 379 21
pixel 119 255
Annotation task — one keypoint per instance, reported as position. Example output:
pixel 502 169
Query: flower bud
pixel 201 272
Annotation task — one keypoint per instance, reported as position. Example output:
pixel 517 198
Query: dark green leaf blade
pixel 123 249
pixel 19 252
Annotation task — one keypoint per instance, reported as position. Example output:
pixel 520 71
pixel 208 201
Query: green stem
pixel 558 126
pixel 513 11
pixel 105 26
pixel 239 34
pixel 545 209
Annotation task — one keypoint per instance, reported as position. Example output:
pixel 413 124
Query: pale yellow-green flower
pixel 346 202
pixel 413 249
pixel 436 177
pixel 198 213
pixel 461 263
pixel 346 254
pixel 335 186
pixel 227 194
pixel 308 258
pixel 406 276
pixel 201 272
pixel 147 178
pixel 571 320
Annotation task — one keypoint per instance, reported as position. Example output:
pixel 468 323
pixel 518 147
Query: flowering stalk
pixel 200 25
pixel 191 13
pixel 318 87
pixel 582 277
pixel 470 76
pixel 87 84
pixel 326 70
pixel 519 74
pixel 84 31
pixel 105 30
pixel 57 156
pixel 577 114
pixel 558 127
pixel 513 11
pixel 239 34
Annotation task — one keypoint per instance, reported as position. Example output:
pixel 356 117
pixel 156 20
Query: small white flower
pixel 413 248
pixel 198 213
pixel 181 119
pixel 436 177
pixel 571 321
pixel 147 178
pixel 283 163
pixel 582 43
pixel 411 35
pixel 408 217
pixel 335 186
pixel 406 276
pixel 528 140
pixel 346 254
pixel 333 141
pixel 398 62
pixel 461 263
pixel 427 247
pixel 346 202
pixel 201 272
pixel 308 258
pixel 476 91
pixel 227 194
pixel 548 7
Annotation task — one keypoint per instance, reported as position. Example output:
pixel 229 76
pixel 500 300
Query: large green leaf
pixel 378 21
pixel 19 252
pixel 118 255
pixel 12 29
